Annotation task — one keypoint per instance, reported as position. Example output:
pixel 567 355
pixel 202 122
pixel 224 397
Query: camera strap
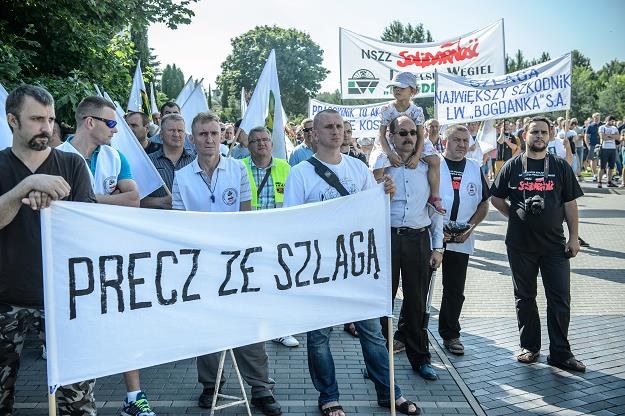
pixel 545 173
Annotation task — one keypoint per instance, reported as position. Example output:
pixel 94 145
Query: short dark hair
pixel 15 99
pixel 145 120
pixel 538 118
pixel 168 104
pixel 326 111
pixel 90 105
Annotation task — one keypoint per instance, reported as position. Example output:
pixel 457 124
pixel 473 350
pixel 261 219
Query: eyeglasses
pixel 109 123
pixel 308 129
pixel 404 133
pixel 260 140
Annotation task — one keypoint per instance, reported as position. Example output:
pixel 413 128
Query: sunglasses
pixel 109 123
pixel 308 129
pixel 404 133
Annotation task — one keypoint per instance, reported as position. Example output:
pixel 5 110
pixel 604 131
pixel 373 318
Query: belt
pixel 408 230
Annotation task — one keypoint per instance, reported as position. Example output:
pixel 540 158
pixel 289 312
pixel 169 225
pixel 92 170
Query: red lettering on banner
pixel 447 54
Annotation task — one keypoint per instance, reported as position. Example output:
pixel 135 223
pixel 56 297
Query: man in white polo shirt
pixel 213 183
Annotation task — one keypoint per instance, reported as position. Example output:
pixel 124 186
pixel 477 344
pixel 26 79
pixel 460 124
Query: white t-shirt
pixel 303 185
pixel 608 144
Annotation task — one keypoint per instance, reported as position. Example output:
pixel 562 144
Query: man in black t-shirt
pixel 32 175
pixel 541 190
pixel 465 197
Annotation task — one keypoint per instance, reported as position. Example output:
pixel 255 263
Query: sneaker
pixel 288 341
pixel 140 407
pixel 599 185
pixel 267 405
pixel 454 346
pixel 205 401
pixel 612 185
pixel 594 178
pixel 398 346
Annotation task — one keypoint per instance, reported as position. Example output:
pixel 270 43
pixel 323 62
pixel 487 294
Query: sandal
pixel 435 203
pixel 351 329
pixel 403 408
pixel 327 411
pixel 571 363
pixel 527 357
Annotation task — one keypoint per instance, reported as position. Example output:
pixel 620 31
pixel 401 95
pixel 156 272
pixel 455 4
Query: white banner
pixel 138 99
pixel 195 103
pixel 368 64
pixel 365 119
pixel 194 283
pixel 540 88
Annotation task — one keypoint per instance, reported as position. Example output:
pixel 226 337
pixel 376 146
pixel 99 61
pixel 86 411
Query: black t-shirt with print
pixel 530 233
pixel 503 150
pixel 21 278
pixel 456 170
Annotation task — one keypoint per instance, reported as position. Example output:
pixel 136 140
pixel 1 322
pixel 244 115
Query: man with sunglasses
pixel 304 150
pixel 416 246
pixel 112 183
pixel 32 175
pixel 110 172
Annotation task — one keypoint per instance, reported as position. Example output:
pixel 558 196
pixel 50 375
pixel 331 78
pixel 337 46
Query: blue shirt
pixel 300 154
pixel 124 172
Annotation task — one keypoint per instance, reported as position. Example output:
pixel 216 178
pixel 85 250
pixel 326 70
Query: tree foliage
pixel 519 62
pixel 172 81
pixel 398 32
pixel 67 46
pixel 298 58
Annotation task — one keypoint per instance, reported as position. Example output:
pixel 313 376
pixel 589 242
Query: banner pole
pixel 391 363
pixel 51 404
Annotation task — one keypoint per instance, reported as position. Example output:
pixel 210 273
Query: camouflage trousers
pixel 73 400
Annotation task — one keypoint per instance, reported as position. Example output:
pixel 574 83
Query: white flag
pixel 6 135
pixel 185 91
pixel 195 103
pixel 153 99
pixel 143 171
pixel 243 102
pixel 485 141
pixel 258 108
pixel 138 100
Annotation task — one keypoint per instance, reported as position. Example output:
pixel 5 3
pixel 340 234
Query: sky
pixel 596 29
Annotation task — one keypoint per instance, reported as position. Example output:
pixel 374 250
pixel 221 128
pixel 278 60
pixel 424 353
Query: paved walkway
pixel 486 380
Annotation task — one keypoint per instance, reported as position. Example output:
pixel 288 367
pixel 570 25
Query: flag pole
pixel 51 404
pixel 391 363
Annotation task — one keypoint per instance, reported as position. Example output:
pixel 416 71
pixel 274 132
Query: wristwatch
pixel 440 250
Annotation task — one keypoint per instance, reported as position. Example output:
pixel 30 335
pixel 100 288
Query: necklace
pixel 208 185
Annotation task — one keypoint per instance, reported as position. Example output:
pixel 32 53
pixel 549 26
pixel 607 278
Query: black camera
pixel 455 229
pixel 535 205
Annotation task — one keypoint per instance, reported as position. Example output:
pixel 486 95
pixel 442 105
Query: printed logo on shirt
pixel 110 184
pixel 331 193
pixel 229 196
pixel 455 182
pixel 280 187
pixel 472 189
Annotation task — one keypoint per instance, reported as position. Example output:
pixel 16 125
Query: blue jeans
pixel 321 363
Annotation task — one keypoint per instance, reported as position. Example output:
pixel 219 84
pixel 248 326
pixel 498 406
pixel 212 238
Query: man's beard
pixel 35 145
pixel 535 148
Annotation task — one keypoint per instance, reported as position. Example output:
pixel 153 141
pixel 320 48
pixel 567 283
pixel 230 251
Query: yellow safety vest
pixel 279 171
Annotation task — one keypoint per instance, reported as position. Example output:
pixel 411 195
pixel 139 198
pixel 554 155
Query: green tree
pixel 298 58
pixel 611 99
pixel 519 62
pixel 172 81
pixel 584 89
pixel 64 47
pixel 397 32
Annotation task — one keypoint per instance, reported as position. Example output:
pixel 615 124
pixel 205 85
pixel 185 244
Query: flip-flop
pixel 527 357
pixel 327 411
pixel 571 364
pixel 403 408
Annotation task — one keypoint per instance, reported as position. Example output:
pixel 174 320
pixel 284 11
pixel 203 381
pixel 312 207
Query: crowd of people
pixel 439 192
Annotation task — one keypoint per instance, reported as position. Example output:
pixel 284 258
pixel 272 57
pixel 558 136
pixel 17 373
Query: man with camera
pixel 464 191
pixel 541 190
